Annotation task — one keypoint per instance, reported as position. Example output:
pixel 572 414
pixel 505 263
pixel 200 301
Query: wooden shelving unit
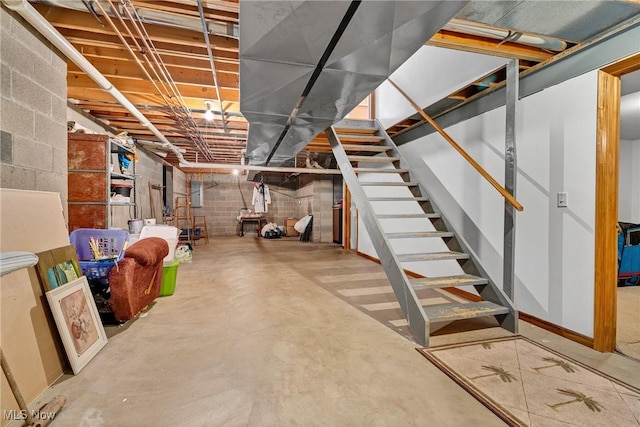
pixel 90 160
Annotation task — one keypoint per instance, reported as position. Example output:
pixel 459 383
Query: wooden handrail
pixel 508 196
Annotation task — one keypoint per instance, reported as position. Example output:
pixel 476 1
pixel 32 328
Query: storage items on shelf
pixel 96 186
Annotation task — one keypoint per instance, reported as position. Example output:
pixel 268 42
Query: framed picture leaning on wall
pixel 78 322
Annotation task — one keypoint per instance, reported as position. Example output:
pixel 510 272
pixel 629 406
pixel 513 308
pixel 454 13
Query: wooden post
pixel 606 244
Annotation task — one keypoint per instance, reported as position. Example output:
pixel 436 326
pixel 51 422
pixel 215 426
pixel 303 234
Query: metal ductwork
pixel 305 65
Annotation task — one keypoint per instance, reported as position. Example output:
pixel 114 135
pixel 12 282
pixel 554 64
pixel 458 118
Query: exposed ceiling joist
pixel 76 20
pixel 127 84
pixel 189 61
pixel 195 77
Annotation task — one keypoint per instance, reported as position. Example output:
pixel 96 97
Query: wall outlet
pixel 562 200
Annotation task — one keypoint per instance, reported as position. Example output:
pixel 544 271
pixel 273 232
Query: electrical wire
pixel 162 82
pixel 187 119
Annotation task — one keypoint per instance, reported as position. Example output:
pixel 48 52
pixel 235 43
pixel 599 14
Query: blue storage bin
pixel 629 257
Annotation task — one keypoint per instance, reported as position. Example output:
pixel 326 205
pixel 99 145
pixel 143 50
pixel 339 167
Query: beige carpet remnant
pixel 527 384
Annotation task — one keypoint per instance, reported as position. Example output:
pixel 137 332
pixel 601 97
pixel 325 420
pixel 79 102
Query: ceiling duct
pixel 305 65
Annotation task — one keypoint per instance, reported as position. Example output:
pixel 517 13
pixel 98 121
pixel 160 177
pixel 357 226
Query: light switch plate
pixel 562 200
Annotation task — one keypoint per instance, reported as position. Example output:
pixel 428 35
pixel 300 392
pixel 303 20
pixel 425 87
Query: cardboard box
pixel 289 223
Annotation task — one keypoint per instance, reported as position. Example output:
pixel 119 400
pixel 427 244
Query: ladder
pixel 384 190
pixel 200 228
pixel 182 218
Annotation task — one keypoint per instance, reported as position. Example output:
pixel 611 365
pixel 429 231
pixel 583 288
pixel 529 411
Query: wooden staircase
pixel 383 189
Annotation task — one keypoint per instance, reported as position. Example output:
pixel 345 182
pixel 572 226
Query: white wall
pixel 629 193
pixel 431 74
pixel 556 130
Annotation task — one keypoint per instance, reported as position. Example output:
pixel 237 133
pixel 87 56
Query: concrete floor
pixel 259 334
pixel 628 325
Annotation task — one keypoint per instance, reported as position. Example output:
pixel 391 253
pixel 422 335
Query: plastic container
pixel 167 232
pixel 135 226
pixel 110 243
pixel 169 275
pixel 121 189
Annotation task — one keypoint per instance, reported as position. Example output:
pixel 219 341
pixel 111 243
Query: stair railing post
pixel 510 175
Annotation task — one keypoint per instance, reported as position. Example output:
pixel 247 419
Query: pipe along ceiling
pixel 306 65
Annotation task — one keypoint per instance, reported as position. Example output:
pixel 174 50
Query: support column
pixel 510 174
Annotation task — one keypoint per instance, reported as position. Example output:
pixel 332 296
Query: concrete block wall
pixel 33 122
pixel 179 187
pixel 323 217
pixel 304 194
pixel 148 170
pixel 225 194
pixel 316 198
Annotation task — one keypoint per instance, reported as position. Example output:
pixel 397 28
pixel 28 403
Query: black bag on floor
pixel 273 234
pixel 306 235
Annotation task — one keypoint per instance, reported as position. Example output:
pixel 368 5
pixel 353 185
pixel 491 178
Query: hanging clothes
pixel 261 197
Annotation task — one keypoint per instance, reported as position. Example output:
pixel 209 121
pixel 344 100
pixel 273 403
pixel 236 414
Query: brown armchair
pixel 135 282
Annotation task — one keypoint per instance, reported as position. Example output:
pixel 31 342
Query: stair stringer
pixel 491 291
pixel 410 304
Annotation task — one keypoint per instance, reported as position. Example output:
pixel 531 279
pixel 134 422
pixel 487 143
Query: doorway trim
pixel 607 171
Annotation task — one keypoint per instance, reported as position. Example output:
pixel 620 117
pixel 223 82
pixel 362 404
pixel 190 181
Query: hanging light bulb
pixel 208 115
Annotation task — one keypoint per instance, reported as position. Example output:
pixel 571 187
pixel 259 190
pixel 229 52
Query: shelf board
pixel 119 148
pixel 115 175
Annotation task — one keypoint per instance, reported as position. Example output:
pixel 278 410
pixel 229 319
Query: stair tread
pixel 359 138
pixel 432 256
pixel 376 170
pixel 418 234
pixel 457 311
pixel 408 215
pixel 372 159
pixel 398 199
pixel 368 148
pixel 355 130
pixel 388 184
pixel 447 281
